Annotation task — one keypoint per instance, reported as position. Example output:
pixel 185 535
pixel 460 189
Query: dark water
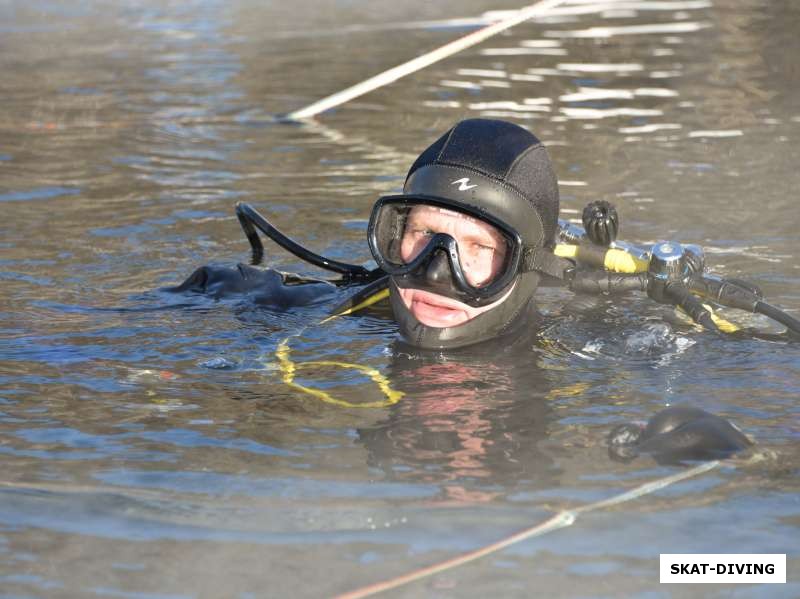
pixel 149 445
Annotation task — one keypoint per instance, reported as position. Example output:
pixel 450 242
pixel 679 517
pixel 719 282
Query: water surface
pixel 149 445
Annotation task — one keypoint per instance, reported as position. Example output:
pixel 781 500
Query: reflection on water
pixel 150 448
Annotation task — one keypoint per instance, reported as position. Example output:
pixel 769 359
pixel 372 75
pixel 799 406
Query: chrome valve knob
pixel 667 262
pixel 695 259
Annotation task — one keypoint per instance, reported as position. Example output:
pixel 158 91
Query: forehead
pixel 438 213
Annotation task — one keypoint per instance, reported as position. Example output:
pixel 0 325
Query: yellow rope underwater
pixel 288 367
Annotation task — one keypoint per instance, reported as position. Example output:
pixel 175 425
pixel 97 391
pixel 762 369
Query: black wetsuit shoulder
pixel 261 286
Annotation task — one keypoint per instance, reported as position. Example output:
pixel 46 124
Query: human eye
pixel 420 231
pixel 483 248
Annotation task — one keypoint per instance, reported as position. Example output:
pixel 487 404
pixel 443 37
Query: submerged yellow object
pixel 288 367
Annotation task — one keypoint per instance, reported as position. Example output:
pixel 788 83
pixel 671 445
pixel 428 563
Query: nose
pixel 438 271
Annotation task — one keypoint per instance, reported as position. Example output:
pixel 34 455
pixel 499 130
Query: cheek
pixel 476 273
pixel 406 247
pixel 480 270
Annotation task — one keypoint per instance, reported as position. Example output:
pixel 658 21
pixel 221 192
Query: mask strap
pixel 545 261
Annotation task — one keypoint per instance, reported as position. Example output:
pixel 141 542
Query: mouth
pixel 434 310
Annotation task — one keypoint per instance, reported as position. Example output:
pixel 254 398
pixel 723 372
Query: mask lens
pixel 404 231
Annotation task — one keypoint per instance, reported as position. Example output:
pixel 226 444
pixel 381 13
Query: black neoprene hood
pixel 491 167
pixel 507 167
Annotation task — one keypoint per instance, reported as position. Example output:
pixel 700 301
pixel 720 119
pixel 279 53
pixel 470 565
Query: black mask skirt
pixel 408 237
pixel 497 173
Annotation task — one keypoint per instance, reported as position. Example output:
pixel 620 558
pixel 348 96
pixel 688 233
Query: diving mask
pixel 448 247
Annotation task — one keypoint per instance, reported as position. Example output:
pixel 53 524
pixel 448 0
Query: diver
pixel 467 242
pixel 464 246
pixel 462 250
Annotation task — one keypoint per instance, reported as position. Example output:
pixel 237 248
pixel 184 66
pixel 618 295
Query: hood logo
pixel 463 184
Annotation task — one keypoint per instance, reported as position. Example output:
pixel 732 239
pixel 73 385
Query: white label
pixel 723 567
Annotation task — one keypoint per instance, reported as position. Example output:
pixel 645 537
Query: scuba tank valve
pixel 667 274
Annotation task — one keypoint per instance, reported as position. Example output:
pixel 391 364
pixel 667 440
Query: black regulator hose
pixel 790 322
pixel 734 294
pixel 600 281
pixel 742 295
pixel 674 272
pixel 249 218
pixel 246 221
pixel 679 295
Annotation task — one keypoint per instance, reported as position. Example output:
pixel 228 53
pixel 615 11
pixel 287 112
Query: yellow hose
pixel 288 367
pixel 613 260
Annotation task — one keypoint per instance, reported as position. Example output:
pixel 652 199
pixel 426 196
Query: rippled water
pixel 149 445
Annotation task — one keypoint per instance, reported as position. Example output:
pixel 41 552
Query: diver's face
pixel 481 249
